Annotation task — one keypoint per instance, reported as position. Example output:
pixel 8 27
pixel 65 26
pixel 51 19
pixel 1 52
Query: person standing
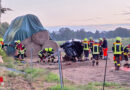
pixel 125 53
pixel 96 52
pixel 1 49
pixel 117 51
pixel 19 49
pixel 101 48
pixel 91 41
pixel 86 48
pixel 105 48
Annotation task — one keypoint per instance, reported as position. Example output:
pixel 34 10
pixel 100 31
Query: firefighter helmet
pixel 85 39
pixel 118 39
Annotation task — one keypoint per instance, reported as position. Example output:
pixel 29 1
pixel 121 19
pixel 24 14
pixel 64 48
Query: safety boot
pixel 97 63
pixel 101 57
pixel 93 62
pixel 117 67
pixel 52 60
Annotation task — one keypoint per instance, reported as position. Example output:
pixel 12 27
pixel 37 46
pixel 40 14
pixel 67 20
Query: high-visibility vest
pixel 95 48
pixel 117 48
pixel 85 45
pixel 21 51
pixel 40 53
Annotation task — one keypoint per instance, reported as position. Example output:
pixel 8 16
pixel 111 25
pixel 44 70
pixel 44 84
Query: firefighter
pixel 96 53
pixel 91 41
pixel 50 52
pixel 1 44
pixel 125 53
pixel 1 49
pixel 42 55
pixel 129 50
pixel 20 50
pixel 105 48
pixel 22 53
pixel 101 48
pixel 86 48
pixel 117 51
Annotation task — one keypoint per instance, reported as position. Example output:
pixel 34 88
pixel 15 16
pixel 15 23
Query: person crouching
pixel 42 55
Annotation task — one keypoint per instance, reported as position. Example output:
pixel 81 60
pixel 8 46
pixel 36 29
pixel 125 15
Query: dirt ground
pixel 83 72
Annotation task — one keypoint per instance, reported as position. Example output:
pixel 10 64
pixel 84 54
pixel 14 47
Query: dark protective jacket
pixel 104 45
pixel 126 50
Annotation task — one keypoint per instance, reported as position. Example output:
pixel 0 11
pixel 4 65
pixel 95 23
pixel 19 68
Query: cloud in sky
pixel 88 19
pixel 127 19
pixel 126 13
pixel 69 12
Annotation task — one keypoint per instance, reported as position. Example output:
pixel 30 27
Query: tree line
pixel 67 34
pixel 3 27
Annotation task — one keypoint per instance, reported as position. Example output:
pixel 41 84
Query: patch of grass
pixel 8 62
pixel 89 86
pixel 51 77
pixel 99 86
pixel 111 84
pixel 8 59
pixel 32 73
pixel 9 65
pixel 60 42
pixel 3 53
pixel 107 84
pixel 12 74
pixel 58 87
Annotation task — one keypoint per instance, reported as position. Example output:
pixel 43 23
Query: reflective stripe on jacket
pixel 95 48
pixel 85 45
pixel 117 48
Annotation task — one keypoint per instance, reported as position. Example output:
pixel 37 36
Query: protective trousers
pixel 117 59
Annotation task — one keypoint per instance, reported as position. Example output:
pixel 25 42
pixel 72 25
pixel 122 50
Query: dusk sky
pixel 70 12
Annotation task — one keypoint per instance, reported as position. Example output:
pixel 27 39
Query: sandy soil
pixel 84 72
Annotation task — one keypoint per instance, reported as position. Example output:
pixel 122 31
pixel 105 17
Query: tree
pixel 3 27
pixel 97 34
pixel 67 34
pixel 3 10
